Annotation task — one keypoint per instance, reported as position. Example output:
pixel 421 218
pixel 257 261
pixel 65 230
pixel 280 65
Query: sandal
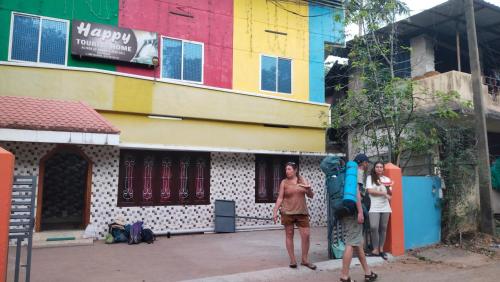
pixel 372 277
pixel 347 280
pixel 293 265
pixel 372 255
pixel 309 265
pixel 383 255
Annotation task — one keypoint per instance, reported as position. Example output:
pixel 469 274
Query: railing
pixel 22 220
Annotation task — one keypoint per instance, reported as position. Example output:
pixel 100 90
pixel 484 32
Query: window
pixel 276 74
pixel 182 60
pixel 38 39
pixel 269 171
pixel 151 178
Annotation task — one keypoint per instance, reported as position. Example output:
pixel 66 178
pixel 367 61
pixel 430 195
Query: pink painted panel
pixel 207 21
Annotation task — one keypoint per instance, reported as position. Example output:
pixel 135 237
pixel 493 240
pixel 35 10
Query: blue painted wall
pixel 325 25
pixel 422 211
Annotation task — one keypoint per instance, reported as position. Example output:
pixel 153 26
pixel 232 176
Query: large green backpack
pixel 335 180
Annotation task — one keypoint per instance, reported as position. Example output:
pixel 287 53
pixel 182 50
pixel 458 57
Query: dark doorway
pixel 65 189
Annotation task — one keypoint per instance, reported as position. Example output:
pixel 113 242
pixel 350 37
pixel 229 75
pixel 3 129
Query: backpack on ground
pixel 118 232
pixel 148 236
pixel 135 233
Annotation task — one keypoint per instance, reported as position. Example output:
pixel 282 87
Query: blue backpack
pixel 135 233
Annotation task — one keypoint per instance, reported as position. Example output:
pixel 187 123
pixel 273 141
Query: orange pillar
pixel 6 176
pixel 395 242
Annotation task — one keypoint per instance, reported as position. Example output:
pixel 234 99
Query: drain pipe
pixel 185 231
pixel 168 233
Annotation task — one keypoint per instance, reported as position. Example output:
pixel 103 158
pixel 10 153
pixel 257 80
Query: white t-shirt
pixel 378 203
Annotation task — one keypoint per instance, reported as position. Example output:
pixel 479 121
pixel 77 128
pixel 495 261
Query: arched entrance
pixel 64 190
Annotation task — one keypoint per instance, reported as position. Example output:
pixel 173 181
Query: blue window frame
pixel 182 60
pixel 38 39
pixel 276 74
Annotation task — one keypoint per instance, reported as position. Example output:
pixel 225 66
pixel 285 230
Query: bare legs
pixel 347 258
pixel 289 243
pixel 305 235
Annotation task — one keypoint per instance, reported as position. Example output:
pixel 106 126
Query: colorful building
pixel 210 99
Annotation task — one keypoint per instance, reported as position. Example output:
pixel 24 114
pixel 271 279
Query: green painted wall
pixel 99 11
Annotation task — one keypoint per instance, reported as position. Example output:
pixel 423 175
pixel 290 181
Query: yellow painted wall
pixel 211 118
pixel 215 134
pixel 250 40
pixel 125 94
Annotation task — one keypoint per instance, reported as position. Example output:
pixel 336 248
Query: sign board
pixel 113 43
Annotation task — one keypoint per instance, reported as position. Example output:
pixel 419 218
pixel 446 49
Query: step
pixel 44 235
pixel 38 244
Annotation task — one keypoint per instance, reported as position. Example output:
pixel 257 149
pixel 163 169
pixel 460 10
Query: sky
pixel 416 6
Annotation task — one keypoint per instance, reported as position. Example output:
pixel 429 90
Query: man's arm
pixel 361 218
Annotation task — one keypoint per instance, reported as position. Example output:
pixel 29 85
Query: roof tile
pixel 55 115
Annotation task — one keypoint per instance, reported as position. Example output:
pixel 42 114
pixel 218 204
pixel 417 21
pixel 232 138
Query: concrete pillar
pixel 6 176
pixel 422 55
pixel 395 240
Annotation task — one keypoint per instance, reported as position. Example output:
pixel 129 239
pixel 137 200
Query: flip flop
pixel 384 256
pixel 372 277
pixel 293 265
pixel 309 265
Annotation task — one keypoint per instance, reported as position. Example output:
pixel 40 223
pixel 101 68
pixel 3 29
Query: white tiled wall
pixel 232 178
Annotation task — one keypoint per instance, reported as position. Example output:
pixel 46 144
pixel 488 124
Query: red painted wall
pixel 211 23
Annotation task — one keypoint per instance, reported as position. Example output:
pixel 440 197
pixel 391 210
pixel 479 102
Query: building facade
pixel 211 98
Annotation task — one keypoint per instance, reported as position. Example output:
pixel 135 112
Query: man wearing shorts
pixel 352 227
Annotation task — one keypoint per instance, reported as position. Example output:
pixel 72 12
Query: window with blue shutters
pixel 38 39
pixel 275 74
pixel 182 60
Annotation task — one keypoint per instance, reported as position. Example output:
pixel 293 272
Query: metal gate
pixel 22 220
pixel 422 211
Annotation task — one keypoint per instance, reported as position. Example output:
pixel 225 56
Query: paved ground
pixel 177 258
pixel 244 256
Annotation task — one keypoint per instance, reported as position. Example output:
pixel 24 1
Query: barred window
pixel 151 178
pixel 269 171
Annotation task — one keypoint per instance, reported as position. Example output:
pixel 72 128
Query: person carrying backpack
pixel 352 227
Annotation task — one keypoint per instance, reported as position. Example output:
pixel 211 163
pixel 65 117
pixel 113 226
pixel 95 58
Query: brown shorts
pixel 301 220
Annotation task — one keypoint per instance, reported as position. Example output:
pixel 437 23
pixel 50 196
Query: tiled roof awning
pixel 42 120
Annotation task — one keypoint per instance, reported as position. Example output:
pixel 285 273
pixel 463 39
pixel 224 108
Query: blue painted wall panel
pixel 422 211
pixel 325 25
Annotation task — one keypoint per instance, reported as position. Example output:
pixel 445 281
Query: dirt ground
pixel 411 269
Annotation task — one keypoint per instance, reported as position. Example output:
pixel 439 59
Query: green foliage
pixel 385 111
pixel 457 167
pixel 392 116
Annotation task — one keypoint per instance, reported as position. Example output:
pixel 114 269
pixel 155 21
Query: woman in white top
pixel 379 187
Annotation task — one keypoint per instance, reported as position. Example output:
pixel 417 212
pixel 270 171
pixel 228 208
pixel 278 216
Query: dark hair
pixel 375 177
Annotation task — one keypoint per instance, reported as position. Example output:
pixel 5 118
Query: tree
pixel 385 111
pixel 391 116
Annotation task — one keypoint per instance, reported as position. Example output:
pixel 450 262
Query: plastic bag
pixel 90 232
pixel 109 239
pixel 338 249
